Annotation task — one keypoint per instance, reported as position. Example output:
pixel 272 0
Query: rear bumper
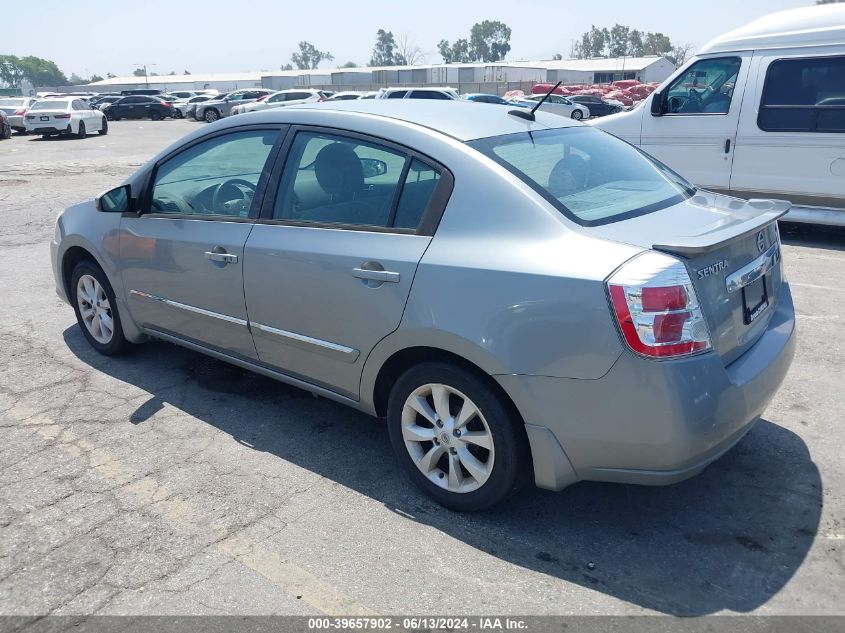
pixel 652 422
pixel 16 122
pixel 47 129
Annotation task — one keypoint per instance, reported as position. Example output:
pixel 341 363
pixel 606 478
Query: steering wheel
pixel 218 200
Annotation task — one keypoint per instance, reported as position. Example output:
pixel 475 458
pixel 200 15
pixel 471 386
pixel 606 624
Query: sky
pixel 208 36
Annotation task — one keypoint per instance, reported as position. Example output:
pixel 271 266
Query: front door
pixel 696 133
pixel 329 265
pixel 182 257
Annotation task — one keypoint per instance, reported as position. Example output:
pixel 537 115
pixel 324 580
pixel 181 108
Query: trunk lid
pixel 731 249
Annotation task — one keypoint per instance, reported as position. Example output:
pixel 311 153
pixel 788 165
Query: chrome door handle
pixel 226 258
pixel 376 275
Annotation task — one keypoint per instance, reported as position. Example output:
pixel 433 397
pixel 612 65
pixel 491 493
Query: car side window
pixel 398 94
pixel 218 177
pixel 427 94
pixel 417 190
pixel 706 87
pixel 330 179
pixel 804 95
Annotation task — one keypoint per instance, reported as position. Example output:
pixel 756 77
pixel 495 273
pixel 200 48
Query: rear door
pixel 791 141
pixel 183 256
pixel 329 265
pixel 696 133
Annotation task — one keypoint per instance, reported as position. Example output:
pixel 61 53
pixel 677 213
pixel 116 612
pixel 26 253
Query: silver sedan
pixel 521 298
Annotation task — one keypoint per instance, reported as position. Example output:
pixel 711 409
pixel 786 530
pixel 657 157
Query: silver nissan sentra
pixel 518 298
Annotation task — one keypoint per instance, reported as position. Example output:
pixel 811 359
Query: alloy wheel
pixel 447 438
pixel 95 309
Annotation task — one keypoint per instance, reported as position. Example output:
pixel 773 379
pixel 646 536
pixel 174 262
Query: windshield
pixel 590 176
pixel 50 105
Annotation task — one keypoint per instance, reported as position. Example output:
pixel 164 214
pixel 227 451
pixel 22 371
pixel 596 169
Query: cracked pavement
pixel 165 482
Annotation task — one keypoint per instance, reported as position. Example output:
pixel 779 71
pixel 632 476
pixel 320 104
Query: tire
pixel 493 474
pixel 577 115
pixel 81 130
pixel 155 115
pixel 80 279
pixel 211 115
pixel 104 129
pixel 6 132
pixel 179 114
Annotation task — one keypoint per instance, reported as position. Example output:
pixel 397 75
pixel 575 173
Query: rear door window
pixel 804 95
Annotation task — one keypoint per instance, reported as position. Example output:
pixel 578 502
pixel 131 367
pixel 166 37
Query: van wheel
pixel 96 309
pixel 455 438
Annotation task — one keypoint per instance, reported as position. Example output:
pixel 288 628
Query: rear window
pixel 50 105
pixel 11 102
pixel 590 176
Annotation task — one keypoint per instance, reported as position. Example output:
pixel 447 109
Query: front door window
pixel 705 88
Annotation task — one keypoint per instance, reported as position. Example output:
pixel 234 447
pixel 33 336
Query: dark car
pixel 5 128
pixel 139 107
pixel 598 107
pixel 481 97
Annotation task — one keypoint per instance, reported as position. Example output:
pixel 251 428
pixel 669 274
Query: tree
pixel 350 65
pixel 110 75
pixel 41 72
pixel 619 38
pixel 557 56
pixel 623 41
pixel 828 1
pixel 309 57
pixel 94 79
pixel 76 80
pixel 407 51
pixel 286 67
pixel 384 51
pixel 139 72
pixel 11 72
pixel 489 41
pixel 457 53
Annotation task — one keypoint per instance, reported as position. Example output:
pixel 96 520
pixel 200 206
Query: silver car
pixel 519 299
pixel 556 104
pixel 15 109
pixel 220 107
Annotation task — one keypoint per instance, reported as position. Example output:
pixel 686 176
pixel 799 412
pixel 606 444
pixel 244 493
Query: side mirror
pixel 115 201
pixel 373 167
pixel 657 103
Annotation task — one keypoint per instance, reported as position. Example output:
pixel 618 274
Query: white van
pixel 758 113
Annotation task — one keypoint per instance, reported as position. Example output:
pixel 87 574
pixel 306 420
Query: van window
pixel 707 87
pixel 804 95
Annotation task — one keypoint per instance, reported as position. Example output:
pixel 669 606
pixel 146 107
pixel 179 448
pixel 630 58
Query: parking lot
pixel 166 482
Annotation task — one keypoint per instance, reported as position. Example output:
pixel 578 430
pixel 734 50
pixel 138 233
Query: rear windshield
pixel 11 102
pixel 50 105
pixel 591 177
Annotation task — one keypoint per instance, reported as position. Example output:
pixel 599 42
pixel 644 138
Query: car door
pixel 182 255
pixel 329 265
pixel 695 131
pixel 791 140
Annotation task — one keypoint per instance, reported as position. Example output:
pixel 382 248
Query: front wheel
pixel 211 115
pixel 577 115
pixel 455 437
pixel 96 309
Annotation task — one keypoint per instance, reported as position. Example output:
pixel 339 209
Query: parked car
pixel 480 97
pixel 346 95
pixel 597 105
pixel 139 107
pixel 64 117
pixel 556 104
pixel 239 109
pixel 15 108
pixel 442 94
pixel 189 108
pixel 102 102
pixel 5 128
pixel 218 108
pixel 513 296
pixel 150 92
pixel 758 112
pixel 184 95
pixel 285 98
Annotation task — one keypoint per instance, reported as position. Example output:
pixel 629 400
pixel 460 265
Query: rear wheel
pixel 179 114
pixel 577 115
pixel 455 437
pixel 104 128
pixel 80 132
pixel 96 309
pixel 6 132
pixel 155 115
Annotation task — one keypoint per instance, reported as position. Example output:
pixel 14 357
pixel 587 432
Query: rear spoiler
pixel 695 245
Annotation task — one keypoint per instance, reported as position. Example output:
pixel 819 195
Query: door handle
pixel 383 276
pixel 226 258
pixel 727 146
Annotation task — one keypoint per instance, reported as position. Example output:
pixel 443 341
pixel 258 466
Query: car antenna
pixel 529 116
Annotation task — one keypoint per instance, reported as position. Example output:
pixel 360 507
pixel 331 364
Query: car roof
pixel 461 120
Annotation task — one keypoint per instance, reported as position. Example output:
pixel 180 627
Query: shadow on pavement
pixel 813 235
pixel 730 538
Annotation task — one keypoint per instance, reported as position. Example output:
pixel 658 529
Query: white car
pixel 441 93
pixel 347 95
pixel 282 98
pixel 556 104
pixel 15 109
pixel 64 116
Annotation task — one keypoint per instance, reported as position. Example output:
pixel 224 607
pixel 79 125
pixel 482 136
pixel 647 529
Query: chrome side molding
pixel 189 308
pixel 751 272
pixel 335 350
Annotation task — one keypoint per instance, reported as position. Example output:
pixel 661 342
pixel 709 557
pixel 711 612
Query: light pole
pixel 146 76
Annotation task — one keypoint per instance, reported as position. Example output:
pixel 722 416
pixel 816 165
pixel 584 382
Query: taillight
pixel 20 112
pixel 656 307
pixel 165 104
pixel 61 116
